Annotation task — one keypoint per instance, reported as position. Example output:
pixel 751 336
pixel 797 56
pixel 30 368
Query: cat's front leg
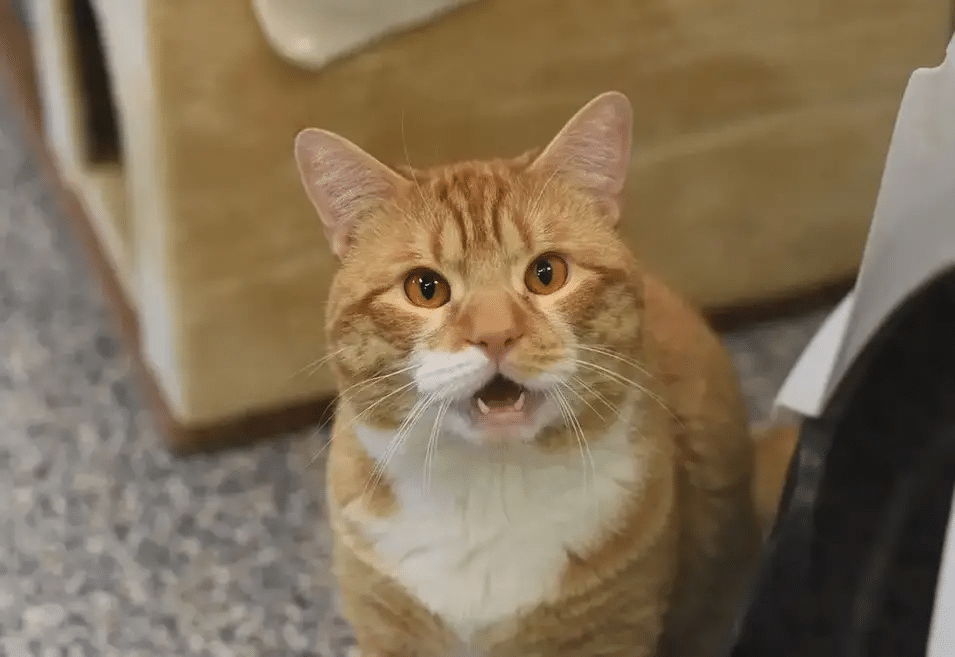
pixel 386 620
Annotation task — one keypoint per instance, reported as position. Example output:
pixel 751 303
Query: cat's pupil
pixel 428 286
pixel 545 272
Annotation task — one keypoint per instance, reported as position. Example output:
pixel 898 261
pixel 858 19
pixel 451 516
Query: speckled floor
pixel 112 547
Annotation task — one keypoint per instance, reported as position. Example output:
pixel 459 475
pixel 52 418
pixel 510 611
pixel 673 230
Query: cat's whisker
pixel 314 366
pixel 372 380
pixel 358 416
pixel 609 353
pixel 433 445
pixel 398 440
pixel 582 436
pixel 364 383
pixel 353 421
pixel 318 454
pixel 570 420
pixel 381 464
pixel 599 396
pixel 354 387
pixel 563 410
pixel 619 378
pixel 581 397
pixel 314 432
pixel 407 426
pixel 322 425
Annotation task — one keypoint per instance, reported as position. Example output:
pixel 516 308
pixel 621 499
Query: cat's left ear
pixel 343 182
pixel 592 151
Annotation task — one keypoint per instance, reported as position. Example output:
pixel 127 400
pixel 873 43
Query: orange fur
pixel 774 451
pixel 659 568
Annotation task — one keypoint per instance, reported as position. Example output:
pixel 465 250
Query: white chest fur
pixel 486 539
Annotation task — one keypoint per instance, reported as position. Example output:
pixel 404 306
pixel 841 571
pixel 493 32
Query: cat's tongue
pixel 500 395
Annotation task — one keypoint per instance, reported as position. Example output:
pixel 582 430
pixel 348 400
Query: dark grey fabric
pixel 852 564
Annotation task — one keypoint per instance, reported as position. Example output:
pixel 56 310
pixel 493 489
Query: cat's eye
pixel 547 274
pixel 427 288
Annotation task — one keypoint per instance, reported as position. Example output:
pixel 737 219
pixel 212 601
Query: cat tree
pixel 760 133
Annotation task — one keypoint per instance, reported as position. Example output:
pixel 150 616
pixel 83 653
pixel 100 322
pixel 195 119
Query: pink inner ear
pixel 592 151
pixel 343 182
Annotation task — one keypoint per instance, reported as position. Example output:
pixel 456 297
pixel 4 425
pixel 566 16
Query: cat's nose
pixel 492 321
pixel 496 344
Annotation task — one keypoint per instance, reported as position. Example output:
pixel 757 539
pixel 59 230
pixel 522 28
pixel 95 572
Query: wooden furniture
pixel 761 128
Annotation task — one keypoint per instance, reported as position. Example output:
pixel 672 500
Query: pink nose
pixel 496 344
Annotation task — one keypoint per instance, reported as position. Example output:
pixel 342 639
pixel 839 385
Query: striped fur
pixel 624 528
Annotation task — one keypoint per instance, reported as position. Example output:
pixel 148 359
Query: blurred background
pixel 162 275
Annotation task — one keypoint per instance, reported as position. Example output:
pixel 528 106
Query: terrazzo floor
pixel 109 545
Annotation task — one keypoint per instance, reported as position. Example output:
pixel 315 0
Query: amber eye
pixel 427 288
pixel 546 274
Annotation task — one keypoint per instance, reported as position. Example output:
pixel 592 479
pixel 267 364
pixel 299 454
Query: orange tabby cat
pixel 539 449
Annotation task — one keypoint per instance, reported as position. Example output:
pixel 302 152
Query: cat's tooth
pixel 519 404
pixel 485 409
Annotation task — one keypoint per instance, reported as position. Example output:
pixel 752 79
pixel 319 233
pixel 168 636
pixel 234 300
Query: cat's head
pixel 492 300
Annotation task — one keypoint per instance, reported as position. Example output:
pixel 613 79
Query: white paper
pixel 911 239
pixel 313 33
pixel 803 390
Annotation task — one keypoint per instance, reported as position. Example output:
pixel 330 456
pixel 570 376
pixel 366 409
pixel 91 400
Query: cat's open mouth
pixel 504 401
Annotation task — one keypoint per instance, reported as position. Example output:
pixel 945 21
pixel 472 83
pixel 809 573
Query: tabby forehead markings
pixel 477 203
pixel 497 200
pixel 452 202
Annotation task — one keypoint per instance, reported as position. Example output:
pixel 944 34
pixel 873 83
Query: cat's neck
pixel 452 468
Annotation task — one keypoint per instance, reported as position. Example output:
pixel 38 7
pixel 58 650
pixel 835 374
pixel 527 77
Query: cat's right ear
pixel 343 182
pixel 592 152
